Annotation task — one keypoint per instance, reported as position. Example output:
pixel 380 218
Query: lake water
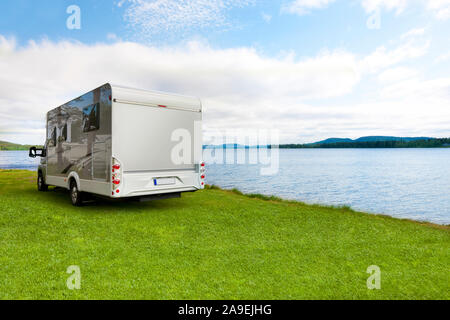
pixel 17 160
pixel 404 183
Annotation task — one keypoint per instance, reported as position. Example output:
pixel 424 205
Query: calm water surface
pixel 404 183
pixel 17 160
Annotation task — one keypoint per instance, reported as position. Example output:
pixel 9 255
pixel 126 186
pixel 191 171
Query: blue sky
pixel 310 68
pixel 342 25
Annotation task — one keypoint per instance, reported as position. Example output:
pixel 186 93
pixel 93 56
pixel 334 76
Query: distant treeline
pixel 8 146
pixel 428 143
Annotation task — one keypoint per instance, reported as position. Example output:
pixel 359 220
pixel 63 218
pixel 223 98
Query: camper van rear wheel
pixel 41 182
pixel 75 195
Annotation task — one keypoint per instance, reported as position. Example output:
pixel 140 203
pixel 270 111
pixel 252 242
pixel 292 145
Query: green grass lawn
pixel 212 244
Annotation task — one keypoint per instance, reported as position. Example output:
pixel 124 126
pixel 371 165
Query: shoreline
pixel 273 198
pixel 324 206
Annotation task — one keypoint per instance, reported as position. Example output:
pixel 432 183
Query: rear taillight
pixel 116 175
pixel 202 173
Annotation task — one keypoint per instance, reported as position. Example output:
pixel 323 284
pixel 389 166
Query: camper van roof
pixel 139 96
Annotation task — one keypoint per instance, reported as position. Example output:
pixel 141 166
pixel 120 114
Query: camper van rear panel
pixel 157 140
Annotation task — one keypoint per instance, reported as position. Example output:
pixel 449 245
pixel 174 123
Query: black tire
pixel 41 183
pixel 75 195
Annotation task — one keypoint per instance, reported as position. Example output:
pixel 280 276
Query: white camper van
pixel 120 142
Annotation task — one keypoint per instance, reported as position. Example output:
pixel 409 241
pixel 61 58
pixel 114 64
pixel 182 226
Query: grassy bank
pixel 8 146
pixel 210 244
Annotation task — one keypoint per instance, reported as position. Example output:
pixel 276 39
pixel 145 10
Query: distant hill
pixel 333 140
pixel 372 139
pixel 375 142
pixel 388 138
pixel 5 146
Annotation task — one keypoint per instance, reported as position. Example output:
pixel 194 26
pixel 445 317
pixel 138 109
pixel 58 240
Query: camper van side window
pixel 53 138
pixel 91 117
pixel 63 137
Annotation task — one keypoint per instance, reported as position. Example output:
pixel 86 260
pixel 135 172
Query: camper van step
pixel 160 197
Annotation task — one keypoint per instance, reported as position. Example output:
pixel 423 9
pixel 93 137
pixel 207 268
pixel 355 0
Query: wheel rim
pixel 74 194
pixel 40 182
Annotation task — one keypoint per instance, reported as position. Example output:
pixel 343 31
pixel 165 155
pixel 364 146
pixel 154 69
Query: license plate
pixel 164 181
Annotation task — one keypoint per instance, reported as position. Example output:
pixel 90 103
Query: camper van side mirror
pixel 35 152
pixel 32 153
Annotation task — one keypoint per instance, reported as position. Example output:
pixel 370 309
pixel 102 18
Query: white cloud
pixel 443 57
pixel 410 46
pixel 266 17
pixel 155 17
pixel 43 75
pixel 112 37
pixel 240 88
pixel 7 45
pixel 383 58
pixel 413 33
pixel 397 74
pixel 302 7
pixel 373 5
pixel 441 8
pixel 416 88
